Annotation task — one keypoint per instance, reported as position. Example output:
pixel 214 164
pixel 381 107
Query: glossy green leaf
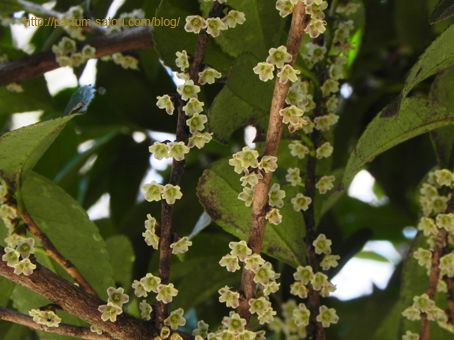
pixel 437 57
pixel 443 10
pixel 417 116
pixel 21 149
pixel 68 227
pixel 218 192
pixel 73 234
pixel 245 100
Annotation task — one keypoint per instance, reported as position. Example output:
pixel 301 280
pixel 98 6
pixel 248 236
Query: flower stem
pixel 165 252
pixel 258 222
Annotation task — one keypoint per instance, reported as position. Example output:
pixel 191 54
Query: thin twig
pixel 55 254
pixel 178 169
pixel 63 329
pixel 136 38
pixel 258 221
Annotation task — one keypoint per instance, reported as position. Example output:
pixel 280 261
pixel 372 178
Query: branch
pixel 54 253
pixel 260 203
pixel 178 169
pixel 63 329
pixel 33 66
pixel 74 300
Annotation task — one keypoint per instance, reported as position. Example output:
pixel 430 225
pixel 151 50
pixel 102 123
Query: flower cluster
pixel 117 298
pixel 214 26
pixel 17 254
pixel 150 283
pixel 67 55
pixel 151 238
pixel 434 204
pixel 18 248
pixel 278 58
pixel 423 304
pixel 247 161
pixel 155 192
pixel 126 61
pixel 75 31
pixel 264 276
pixel 45 317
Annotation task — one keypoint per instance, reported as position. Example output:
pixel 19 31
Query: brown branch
pixel 433 280
pixel 33 66
pixel 74 300
pixel 177 171
pixel 63 329
pixel 440 243
pixel 55 254
pixel 259 207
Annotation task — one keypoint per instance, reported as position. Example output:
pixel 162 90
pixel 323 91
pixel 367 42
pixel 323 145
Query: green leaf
pixel 443 10
pixel 218 193
pixel 21 149
pixel 122 259
pixel 437 57
pixel 244 100
pixel 68 227
pixel 370 255
pixel 417 116
pixel 443 138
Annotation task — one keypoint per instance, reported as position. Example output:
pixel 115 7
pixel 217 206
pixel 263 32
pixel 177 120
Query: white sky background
pixel 355 279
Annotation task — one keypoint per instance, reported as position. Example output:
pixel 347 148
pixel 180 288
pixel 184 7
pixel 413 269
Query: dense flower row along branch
pixel 190 133
pixel 293 97
pixel 437 226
